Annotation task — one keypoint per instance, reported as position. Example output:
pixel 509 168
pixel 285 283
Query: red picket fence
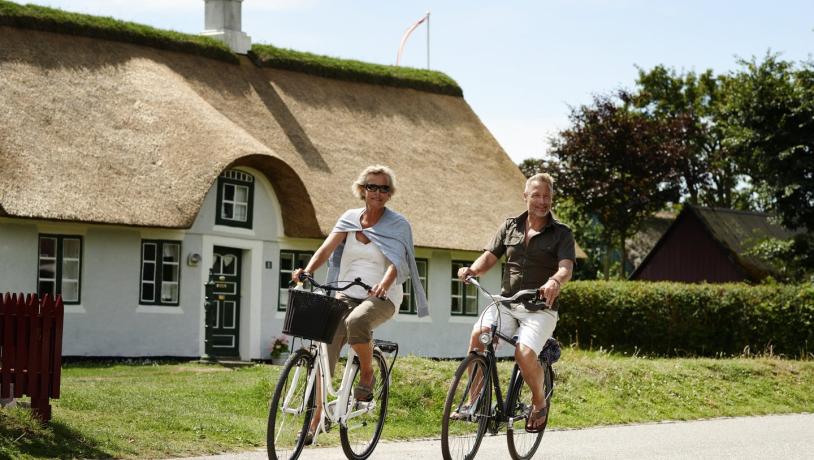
pixel 31 353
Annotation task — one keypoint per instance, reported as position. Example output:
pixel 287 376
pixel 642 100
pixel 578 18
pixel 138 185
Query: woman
pixel 375 244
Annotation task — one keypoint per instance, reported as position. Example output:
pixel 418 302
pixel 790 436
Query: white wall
pixel 110 322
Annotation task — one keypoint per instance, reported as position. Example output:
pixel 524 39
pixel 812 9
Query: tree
pixel 769 112
pixel 618 165
pixel 532 166
pixel 710 176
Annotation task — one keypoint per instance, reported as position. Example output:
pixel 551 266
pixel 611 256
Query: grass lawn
pixel 182 409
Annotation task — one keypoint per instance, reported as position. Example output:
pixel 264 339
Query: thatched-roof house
pixel 711 245
pixel 128 170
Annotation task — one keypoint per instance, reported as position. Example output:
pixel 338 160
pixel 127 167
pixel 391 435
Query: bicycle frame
pixel 494 334
pixel 334 400
pixel 501 405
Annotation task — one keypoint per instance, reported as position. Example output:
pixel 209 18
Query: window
pixel 235 199
pixel 160 272
pixel 60 267
pixel 290 261
pixel 464 296
pixel 408 303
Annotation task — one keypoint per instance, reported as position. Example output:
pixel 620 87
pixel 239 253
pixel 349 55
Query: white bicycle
pixel 314 317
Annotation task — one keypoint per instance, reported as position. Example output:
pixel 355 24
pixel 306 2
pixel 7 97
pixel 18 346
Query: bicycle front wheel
pixel 291 408
pixel 363 428
pixel 522 444
pixel 467 410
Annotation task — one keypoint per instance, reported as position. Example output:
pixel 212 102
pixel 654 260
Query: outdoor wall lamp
pixel 193 259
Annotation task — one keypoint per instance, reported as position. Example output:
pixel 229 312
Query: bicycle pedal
pixel 366 405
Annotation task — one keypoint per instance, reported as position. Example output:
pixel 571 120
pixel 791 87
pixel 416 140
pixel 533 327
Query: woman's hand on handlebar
pixel 379 290
pixel 299 275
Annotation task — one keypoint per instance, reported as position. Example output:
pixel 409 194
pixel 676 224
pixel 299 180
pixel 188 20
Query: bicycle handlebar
pixel 532 293
pixel 357 282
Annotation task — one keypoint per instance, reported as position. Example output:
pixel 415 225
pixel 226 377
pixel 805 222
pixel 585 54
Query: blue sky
pixel 521 64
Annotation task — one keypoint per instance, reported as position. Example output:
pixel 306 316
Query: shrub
pixel 688 319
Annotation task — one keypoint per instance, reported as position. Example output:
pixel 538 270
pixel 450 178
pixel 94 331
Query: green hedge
pixel 55 20
pixel 350 70
pixel 688 319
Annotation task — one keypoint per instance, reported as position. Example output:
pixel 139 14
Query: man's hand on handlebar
pixel 549 291
pixel 466 272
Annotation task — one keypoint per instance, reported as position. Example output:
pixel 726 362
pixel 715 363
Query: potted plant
pixel 279 350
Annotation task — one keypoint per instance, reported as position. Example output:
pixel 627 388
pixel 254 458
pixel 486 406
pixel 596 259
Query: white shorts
pixel 532 328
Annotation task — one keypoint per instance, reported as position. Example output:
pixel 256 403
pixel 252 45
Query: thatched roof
pixel 109 132
pixel 736 232
pixel 653 227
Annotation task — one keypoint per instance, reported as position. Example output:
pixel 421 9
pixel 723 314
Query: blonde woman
pixel 373 243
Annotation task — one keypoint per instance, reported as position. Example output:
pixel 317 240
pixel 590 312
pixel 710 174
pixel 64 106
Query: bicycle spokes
pixel 365 419
pixel 467 410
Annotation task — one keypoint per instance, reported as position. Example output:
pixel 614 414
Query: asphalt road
pixel 774 436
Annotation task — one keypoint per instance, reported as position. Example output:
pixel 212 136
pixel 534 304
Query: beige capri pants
pixel 358 326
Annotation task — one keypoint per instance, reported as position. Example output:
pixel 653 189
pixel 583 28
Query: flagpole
pixel 428 40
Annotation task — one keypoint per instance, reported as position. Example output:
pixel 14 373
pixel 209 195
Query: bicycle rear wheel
pixel 365 422
pixel 291 409
pixel 522 444
pixel 469 396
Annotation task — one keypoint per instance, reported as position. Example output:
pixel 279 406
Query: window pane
pixel 148 292
pixel 283 299
pixel 241 212
pixel 171 252
pixel 286 260
pixel 229 264
pixel 229 192
pixel 303 258
pixel 48 247
pixel 70 291
pixel 148 251
pixel 148 272
pixel 71 247
pixel 70 269
pixel 47 270
pixel 241 194
pixel 216 265
pixel 456 305
pixel 169 292
pixel 169 272
pixel 46 287
pixel 228 211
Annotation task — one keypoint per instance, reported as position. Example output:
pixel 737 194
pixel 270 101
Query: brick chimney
pixel 223 23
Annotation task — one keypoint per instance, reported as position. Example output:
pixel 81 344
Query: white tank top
pixel 366 261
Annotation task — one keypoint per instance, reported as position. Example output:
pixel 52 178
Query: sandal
pixel 462 414
pixel 309 438
pixel 533 424
pixel 364 393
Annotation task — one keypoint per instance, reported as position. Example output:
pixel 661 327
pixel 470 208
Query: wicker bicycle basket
pixel 313 316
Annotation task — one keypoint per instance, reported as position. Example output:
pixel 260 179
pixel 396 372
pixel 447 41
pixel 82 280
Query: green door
pixel 223 324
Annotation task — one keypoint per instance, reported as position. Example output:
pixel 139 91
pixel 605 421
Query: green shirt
pixel 529 267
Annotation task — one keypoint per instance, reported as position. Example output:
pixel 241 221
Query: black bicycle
pixel 469 412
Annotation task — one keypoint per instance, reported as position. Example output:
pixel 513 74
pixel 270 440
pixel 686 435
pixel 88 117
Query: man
pixel 539 255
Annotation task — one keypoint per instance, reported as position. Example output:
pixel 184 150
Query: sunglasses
pixel 377 187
